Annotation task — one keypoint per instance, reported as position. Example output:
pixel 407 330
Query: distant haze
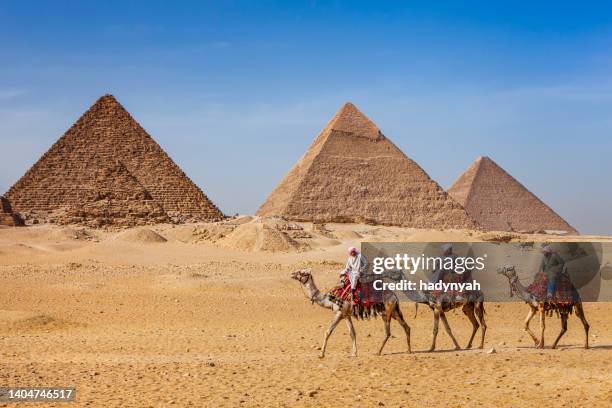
pixel 235 92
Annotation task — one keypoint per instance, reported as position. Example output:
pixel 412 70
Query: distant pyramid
pixel 353 173
pixel 498 202
pixel 106 169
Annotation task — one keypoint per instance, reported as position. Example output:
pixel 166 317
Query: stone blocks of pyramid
pixel 498 202
pixel 106 170
pixel 353 173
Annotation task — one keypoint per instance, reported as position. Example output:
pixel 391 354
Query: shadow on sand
pixel 463 350
pixel 569 347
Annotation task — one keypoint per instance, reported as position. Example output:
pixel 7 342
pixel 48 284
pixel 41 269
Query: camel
pixel 517 288
pixel 472 307
pixel 388 309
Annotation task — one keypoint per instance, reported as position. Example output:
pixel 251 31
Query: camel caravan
pixel 106 171
pixel 551 291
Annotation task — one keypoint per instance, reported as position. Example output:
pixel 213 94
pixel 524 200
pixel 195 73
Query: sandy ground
pixel 132 322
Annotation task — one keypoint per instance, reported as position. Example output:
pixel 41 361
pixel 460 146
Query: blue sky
pixel 235 91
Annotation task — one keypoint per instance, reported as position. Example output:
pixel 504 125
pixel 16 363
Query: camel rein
pixel 513 282
pixel 311 298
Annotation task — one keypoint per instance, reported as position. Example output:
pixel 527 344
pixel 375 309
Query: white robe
pixel 355 265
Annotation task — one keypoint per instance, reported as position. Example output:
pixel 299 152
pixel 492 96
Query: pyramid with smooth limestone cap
pixel 498 202
pixel 353 173
pixel 106 170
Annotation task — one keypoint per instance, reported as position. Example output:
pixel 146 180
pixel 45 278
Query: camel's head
pixel 508 271
pixel 302 276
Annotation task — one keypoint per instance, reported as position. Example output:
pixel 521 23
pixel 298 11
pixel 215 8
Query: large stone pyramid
pixel 106 170
pixel 498 202
pixel 353 173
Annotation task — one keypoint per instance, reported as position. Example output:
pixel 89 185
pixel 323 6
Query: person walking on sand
pixel 355 266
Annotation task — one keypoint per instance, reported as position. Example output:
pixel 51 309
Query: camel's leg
pixel 483 325
pixel 468 309
pixel 542 327
pixel 449 331
pixel 532 312
pixel 387 321
pixel 329 331
pixel 563 329
pixel 349 323
pixel 436 322
pixel 397 315
pixel 580 313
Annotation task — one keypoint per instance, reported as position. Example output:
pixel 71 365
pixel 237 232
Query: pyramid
pixel 498 202
pixel 353 173
pixel 111 195
pixel 106 169
pixel 7 217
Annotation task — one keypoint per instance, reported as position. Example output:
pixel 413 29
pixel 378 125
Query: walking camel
pixel 388 309
pixel 473 308
pixel 535 305
pixel 471 303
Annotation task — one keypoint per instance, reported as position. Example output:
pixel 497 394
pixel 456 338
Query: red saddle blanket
pixel 565 292
pixel 363 293
pixel 366 301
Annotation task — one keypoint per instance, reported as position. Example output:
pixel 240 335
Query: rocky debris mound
pixel 266 234
pixel 142 235
pixel 107 171
pixel 76 234
pixel 498 202
pixel 7 216
pixel 353 173
pixel 322 230
pixel 499 237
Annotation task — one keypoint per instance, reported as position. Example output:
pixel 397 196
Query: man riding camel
pixel 552 265
pixel 447 274
pixel 550 274
pixel 441 273
pixel 355 266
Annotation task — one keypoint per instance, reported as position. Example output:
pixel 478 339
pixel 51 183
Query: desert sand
pixel 206 315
